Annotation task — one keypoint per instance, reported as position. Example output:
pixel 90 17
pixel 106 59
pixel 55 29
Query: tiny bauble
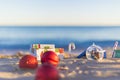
pixel 47 72
pixel 28 62
pixel 50 57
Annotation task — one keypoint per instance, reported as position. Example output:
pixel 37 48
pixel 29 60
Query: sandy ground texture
pixel 70 69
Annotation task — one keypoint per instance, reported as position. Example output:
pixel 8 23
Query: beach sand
pixel 69 69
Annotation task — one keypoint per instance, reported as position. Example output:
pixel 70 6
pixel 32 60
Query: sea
pixel 20 38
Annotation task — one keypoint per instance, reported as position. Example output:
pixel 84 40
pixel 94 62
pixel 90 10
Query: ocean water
pixel 21 37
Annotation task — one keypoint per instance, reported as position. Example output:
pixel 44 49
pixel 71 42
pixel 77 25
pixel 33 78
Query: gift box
pixel 39 49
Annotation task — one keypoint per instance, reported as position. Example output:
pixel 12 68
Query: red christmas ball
pixel 28 62
pixel 47 72
pixel 50 57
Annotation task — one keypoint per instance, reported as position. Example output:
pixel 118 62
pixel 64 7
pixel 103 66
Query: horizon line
pixel 59 25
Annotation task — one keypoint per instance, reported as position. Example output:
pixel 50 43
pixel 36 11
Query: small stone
pixel 74 61
pixel 62 75
pixel 80 72
pixel 77 68
pixel 83 62
pixel 27 74
pixel 86 72
pixel 72 74
pixel 70 62
pixel 64 68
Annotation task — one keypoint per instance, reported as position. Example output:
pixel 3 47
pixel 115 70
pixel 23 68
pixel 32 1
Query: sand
pixel 69 69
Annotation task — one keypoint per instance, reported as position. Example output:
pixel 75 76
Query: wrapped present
pixel 43 46
pixel 59 50
pixel 45 50
pixel 39 49
pixel 37 53
pixel 56 49
pixel 36 46
pixel 47 46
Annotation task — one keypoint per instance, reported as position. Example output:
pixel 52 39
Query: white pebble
pixel 72 74
pixel 86 72
pixel 66 68
pixel 62 75
pixel 80 72
pixel 70 62
pixel 77 68
pixel 83 62
pixel 74 61
pixel 27 74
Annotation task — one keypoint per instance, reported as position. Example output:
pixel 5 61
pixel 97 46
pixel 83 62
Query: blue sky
pixel 59 12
